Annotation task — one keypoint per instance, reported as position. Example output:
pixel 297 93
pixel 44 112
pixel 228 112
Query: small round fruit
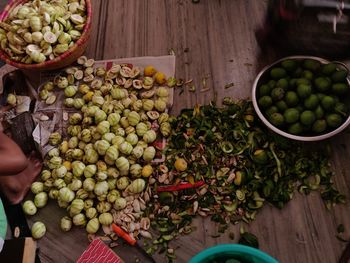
pixel 341 108
pixel 160 78
pixel 311 102
pixel 291 115
pixel 327 102
pixel 265 102
pixel 319 126
pixel 271 110
pixel 277 119
pixel 149 71
pixel 339 76
pixel 281 105
pixel 180 164
pixel 277 73
pixel 295 128
pixel 307 74
pixel 147 170
pixel 264 90
pixel 311 64
pixel 277 94
pixel 322 84
pixel 304 90
pixel 38 230
pixel 289 64
pixel 282 83
pixel 340 88
pixel 319 112
pixel 307 117
pixel 334 120
pixel 328 69
pixel 291 98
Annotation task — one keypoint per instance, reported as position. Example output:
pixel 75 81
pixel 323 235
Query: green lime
pixel 339 76
pixel 271 110
pixel 327 102
pixel 341 108
pixel 291 98
pixel 260 156
pixel 300 108
pixel 295 128
pixel 335 97
pixel 271 83
pixel 265 102
pixel 307 117
pixel 297 73
pixel 322 84
pixel 304 90
pixel 282 83
pixel 289 64
pixel 278 73
pixel 328 69
pixel 311 102
pixel 319 112
pixel 311 64
pixel 320 96
pixel 281 105
pixel 277 94
pixel 293 83
pixel 334 120
pixel 307 74
pixel 340 88
pixel 319 126
pixel 264 90
pixel 302 81
pixel 277 119
pixel 291 115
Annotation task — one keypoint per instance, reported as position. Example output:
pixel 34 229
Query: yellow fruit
pixel 147 170
pixel 180 165
pixel 68 165
pixel 88 96
pixel 160 78
pixel 149 71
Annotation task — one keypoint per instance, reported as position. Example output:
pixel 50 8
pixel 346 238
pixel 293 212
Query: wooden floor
pixel 213 39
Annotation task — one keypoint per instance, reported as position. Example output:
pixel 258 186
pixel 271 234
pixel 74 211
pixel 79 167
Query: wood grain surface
pixel 215 40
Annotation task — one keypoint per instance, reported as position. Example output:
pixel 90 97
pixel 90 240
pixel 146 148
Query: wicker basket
pixel 61 61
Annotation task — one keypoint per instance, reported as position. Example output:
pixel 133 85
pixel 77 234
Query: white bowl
pixel 257 83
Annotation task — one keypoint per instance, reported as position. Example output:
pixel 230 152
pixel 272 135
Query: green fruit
pixel 304 90
pixel 289 64
pixel 281 105
pixel 291 98
pixel 341 108
pixel 295 128
pixel 328 69
pixel 265 102
pixel 271 110
pixel 300 108
pixel 282 83
pixel 339 76
pixel 307 117
pixel 297 73
pixel 311 102
pixel 327 102
pixel 260 157
pixel 322 84
pixel 334 120
pixel 271 83
pixel 320 96
pixel 302 81
pixel 319 112
pixel 277 119
pixel 319 126
pixel 340 88
pixel 293 83
pixel 277 94
pixel 307 74
pixel 264 90
pixel 291 115
pixel 311 64
pixel 278 73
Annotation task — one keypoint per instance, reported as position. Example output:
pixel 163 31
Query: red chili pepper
pixel 173 188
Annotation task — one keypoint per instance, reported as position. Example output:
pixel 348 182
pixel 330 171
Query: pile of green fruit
pixel 304 97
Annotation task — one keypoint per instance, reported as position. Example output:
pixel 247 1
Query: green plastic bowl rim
pixel 216 250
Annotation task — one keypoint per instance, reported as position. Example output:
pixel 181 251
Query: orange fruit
pixel 160 78
pixel 149 71
pixel 180 164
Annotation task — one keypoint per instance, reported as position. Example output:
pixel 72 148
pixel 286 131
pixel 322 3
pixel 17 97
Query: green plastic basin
pixel 243 254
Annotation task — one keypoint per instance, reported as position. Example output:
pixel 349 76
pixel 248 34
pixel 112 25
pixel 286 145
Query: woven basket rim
pixel 80 42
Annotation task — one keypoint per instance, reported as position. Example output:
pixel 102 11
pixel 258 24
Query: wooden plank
pixel 213 39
